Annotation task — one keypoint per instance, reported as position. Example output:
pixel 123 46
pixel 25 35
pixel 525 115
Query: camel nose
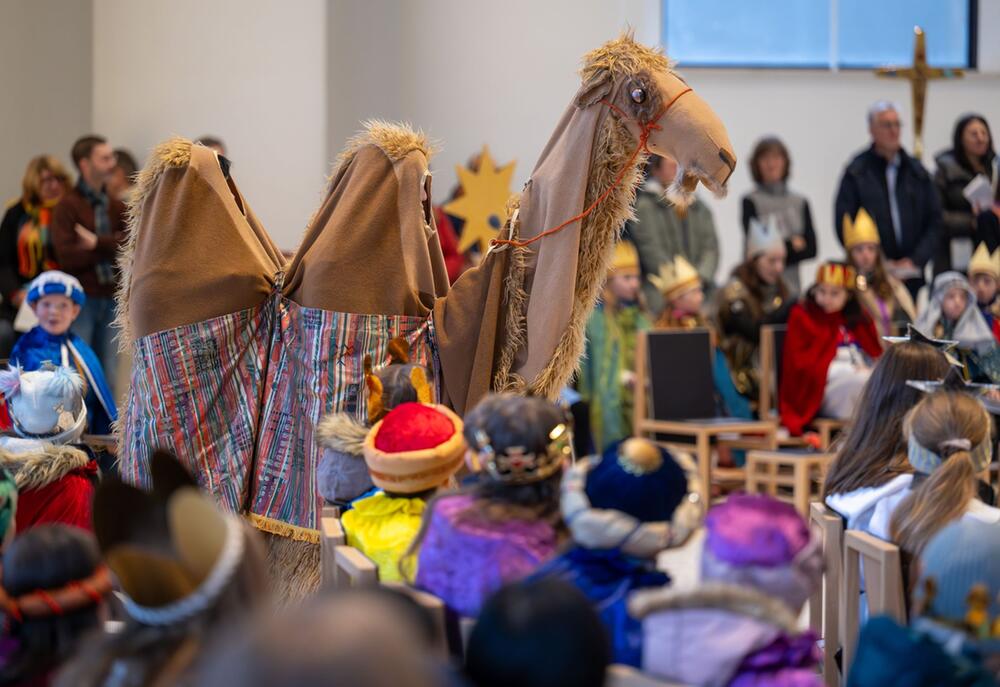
pixel 730 161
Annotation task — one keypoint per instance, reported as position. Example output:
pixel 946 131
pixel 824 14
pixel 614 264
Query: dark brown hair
pixel 747 273
pixel 769 144
pixel 873 450
pixel 878 281
pixel 84 146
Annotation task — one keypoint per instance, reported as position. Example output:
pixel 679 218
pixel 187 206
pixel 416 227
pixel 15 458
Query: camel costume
pixel 238 355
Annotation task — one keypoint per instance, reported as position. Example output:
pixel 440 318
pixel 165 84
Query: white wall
pixel 501 73
pixel 250 71
pixel 45 83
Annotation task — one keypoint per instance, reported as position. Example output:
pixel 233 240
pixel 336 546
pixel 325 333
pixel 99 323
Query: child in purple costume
pixel 740 626
pixel 507 523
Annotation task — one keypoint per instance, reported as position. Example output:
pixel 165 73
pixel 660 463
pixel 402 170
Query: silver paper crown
pixel 515 465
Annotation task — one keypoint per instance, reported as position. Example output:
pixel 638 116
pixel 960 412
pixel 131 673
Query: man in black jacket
pixel 898 193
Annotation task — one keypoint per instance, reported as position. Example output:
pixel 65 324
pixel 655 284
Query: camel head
pixel 640 83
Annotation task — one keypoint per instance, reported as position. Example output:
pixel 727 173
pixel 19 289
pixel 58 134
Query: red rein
pixel 646 130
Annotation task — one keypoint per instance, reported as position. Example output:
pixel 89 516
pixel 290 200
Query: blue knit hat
pixel 638 478
pixel 54 282
pixel 961 556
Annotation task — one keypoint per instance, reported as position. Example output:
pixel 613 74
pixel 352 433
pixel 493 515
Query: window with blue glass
pixel 826 34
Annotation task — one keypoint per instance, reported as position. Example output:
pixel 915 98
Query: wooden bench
pixel 883 573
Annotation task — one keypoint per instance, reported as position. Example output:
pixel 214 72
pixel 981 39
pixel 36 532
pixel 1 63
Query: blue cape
pixel 38 346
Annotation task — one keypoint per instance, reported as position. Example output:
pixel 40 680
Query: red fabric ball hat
pixel 415 447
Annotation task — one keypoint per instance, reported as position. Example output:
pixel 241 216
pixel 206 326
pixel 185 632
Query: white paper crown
pixel 764 237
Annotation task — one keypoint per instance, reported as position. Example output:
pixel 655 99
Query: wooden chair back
pixel 772 344
pixel 331 535
pixel 352 568
pixel 824 605
pixel 881 563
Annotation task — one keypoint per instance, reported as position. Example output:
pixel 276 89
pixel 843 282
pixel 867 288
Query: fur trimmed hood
pixel 396 140
pixel 43 465
pixel 343 433
pixel 744 601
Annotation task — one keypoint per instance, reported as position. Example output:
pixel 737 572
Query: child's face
pixel 56 313
pixel 769 267
pixel 690 302
pixel 954 302
pixel 864 257
pixel 624 286
pixel 830 298
pixel 985 287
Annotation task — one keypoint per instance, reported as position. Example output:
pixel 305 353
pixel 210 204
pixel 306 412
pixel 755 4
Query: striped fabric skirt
pixel 238 397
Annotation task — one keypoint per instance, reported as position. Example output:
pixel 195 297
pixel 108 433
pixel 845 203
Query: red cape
pixel 67 500
pixel 810 346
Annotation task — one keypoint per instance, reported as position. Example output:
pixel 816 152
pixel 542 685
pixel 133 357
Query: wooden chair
pixel 331 535
pixel 883 572
pixel 772 344
pixel 674 396
pixel 626 676
pixel 352 568
pixel 802 471
pixel 824 605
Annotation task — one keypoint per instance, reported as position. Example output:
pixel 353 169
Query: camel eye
pixel 638 95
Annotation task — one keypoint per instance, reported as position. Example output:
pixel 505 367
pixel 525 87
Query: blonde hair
pixel 943 495
pixel 31 184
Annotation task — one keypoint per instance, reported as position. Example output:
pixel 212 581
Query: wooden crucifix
pixel 918 75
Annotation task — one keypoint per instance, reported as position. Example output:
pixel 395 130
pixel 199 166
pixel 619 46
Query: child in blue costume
pixel 623 509
pixel 56 298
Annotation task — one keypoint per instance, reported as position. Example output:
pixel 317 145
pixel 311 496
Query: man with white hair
pixel 898 193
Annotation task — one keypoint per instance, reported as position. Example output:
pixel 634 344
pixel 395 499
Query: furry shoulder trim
pixel 741 600
pixel 395 139
pixel 39 468
pixel 342 432
pixel 624 55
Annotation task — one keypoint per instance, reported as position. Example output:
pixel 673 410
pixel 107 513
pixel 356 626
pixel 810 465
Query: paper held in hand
pixel 979 192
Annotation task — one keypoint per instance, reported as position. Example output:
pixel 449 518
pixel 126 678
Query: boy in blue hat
pixel 56 299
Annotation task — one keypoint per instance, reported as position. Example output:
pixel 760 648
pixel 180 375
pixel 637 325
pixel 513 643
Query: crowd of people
pixel 545 541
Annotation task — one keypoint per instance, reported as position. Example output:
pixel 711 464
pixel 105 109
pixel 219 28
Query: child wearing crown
pixel 884 297
pixel 830 343
pixel 504 524
pixel 754 296
pixel 56 298
pixel 683 297
pixel 607 371
pixel 984 276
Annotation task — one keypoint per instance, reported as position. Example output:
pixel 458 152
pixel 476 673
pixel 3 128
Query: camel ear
pixel 595 89
pixel 419 381
pixel 398 350
pixel 375 407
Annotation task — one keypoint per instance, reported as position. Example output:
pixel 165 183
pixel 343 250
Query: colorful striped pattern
pixel 197 390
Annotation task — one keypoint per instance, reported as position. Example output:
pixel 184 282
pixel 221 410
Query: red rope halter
pixel 646 130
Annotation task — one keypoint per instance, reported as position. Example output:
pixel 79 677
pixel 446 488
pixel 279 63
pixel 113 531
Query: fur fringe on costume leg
pixel 293 566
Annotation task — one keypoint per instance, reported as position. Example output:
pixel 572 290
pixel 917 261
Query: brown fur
pixel 342 432
pixel 396 140
pixel 623 56
pixel 293 567
pixel 598 234
pixel 175 152
pixel 40 468
pixel 742 600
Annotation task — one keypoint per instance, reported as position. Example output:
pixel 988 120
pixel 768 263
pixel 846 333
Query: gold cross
pixel 918 75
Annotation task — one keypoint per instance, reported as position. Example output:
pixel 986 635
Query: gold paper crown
pixel 836 274
pixel 675 278
pixel 983 262
pixel 861 230
pixel 626 257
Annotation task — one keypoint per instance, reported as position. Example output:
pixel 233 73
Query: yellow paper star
pixel 483 201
